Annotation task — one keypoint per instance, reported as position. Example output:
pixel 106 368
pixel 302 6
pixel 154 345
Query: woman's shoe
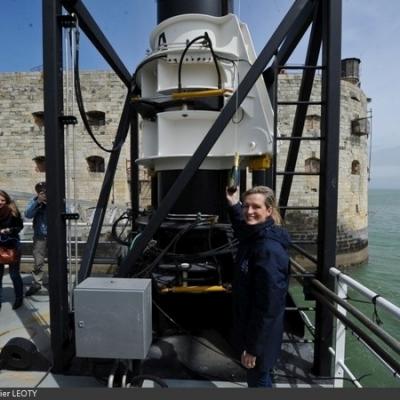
pixel 33 289
pixel 17 303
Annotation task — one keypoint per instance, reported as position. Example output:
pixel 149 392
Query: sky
pixel 370 31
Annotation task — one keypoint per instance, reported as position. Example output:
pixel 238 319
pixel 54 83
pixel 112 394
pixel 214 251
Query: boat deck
pixel 180 360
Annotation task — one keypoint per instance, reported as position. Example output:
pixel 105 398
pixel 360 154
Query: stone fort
pixel 23 161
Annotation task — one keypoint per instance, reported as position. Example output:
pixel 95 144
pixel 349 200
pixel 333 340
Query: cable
pixel 215 60
pixel 224 249
pixel 320 378
pixel 186 332
pixel 140 66
pixel 182 57
pixel 80 104
pixel 118 237
pixel 147 270
pixel 43 377
pixel 134 240
pixel 207 40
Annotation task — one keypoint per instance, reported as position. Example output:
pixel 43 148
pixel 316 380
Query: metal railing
pixel 337 304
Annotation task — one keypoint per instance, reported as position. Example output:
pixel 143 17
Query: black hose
pixel 208 40
pixel 79 101
pixel 117 237
pixel 145 272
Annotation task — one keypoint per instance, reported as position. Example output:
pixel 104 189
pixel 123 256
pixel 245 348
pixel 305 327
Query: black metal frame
pixel 213 134
pixel 301 110
pixel 329 164
pixel 55 177
pixel 282 43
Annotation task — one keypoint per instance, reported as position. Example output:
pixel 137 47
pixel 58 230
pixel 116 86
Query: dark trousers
pixel 39 254
pixel 15 277
pixel 257 378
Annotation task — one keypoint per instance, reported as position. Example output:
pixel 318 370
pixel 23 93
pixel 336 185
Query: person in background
pixel 260 281
pixel 10 225
pixel 37 209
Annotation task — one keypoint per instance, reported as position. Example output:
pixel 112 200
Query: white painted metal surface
pixel 368 293
pixel 174 135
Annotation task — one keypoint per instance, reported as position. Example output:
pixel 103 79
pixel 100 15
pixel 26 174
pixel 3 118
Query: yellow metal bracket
pixel 260 163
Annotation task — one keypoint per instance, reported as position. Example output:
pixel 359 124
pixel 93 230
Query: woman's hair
pixel 270 200
pixel 10 203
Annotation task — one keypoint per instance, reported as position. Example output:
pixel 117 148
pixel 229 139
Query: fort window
pixel 355 168
pixel 38 118
pixel 354 96
pixel 40 163
pixel 96 118
pixel 312 122
pixel 312 165
pixel 360 126
pixel 95 163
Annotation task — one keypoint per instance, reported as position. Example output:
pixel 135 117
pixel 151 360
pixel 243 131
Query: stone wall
pixel 352 232
pixel 22 138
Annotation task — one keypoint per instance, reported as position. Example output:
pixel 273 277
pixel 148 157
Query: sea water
pixel 382 275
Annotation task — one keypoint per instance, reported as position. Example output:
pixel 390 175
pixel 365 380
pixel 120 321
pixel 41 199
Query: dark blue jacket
pixel 15 224
pixel 37 211
pixel 259 288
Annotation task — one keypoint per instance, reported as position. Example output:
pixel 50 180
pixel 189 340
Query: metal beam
pixel 134 172
pixel 329 160
pixel 271 78
pixel 98 39
pixel 301 110
pixel 292 40
pixel 101 207
pixel 55 177
pixel 215 131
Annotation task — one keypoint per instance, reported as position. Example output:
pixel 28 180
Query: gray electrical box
pixel 113 318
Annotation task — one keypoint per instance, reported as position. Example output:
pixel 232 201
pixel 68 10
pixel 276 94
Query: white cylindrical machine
pixel 195 63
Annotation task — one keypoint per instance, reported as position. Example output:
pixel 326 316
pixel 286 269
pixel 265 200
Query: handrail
pixel 368 293
pixel 304 253
pixel 387 357
pixel 327 297
pixel 392 342
pixel 347 370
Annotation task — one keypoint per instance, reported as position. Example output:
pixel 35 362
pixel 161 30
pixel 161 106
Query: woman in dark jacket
pixel 260 283
pixel 10 226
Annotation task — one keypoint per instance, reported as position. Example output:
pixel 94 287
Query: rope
pixel 375 316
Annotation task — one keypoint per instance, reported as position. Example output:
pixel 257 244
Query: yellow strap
pixel 194 289
pixel 200 93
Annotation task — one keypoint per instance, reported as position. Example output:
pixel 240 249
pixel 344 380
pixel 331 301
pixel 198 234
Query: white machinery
pixel 195 64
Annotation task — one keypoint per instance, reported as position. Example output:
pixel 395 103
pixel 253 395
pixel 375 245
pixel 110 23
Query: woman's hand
pixel 232 197
pixel 248 360
pixel 5 231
